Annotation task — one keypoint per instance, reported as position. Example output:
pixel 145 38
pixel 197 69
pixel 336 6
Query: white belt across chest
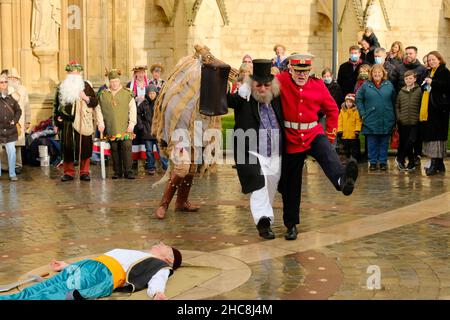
pixel 300 126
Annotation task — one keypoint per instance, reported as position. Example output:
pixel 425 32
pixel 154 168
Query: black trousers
pixel 121 157
pixel 291 175
pixel 418 144
pixel 352 147
pixel 408 139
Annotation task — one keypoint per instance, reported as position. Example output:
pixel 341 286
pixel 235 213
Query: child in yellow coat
pixel 349 127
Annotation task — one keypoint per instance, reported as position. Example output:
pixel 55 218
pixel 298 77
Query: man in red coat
pixel 302 97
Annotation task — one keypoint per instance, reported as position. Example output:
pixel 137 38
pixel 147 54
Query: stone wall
pixel 124 33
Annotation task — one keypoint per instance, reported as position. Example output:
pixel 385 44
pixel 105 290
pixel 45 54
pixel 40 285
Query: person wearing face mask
pixel 332 86
pixel 380 58
pixel 348 71
pixel 363 76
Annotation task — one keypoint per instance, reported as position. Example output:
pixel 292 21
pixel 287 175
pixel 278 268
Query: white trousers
pixel 261 200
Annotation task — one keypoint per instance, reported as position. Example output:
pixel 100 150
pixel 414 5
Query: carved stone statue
pixel 46 22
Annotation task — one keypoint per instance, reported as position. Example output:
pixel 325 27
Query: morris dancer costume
pixel 73 114
pixel 126 270
pixel 119 111
pixel 177 107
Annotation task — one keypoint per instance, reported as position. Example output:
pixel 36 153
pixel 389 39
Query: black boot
pixel 440 165
pixel 348 179
pixel 432 170
pixel 291 233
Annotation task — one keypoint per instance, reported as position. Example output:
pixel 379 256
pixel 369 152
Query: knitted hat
pixel 73 65
pixel 247 56
pixel 152 88
pixel 177 259
pixel 350 96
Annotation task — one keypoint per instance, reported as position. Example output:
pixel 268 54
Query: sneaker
pixel 411 166
pixel 383 166
pixel 400 165
pixel 14 179
pixel 373 167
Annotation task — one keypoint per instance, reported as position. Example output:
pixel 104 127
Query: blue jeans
pixel 11 152
pixel 150 162
pixel 377 147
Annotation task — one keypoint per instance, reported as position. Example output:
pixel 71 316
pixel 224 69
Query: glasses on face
pixel 259 85
pixel 3 81
pixel 301 72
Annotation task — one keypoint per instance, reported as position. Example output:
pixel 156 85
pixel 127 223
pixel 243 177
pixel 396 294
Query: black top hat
pixel 261 70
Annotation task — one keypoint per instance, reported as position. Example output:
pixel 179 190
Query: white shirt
pixel 126 258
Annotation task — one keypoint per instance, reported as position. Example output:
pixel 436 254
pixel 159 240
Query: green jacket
pixel 407 107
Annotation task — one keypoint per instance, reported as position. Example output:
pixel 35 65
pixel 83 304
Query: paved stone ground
pixel 42 218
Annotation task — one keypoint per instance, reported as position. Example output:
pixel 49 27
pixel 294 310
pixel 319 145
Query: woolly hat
pixel 350 96
pixel 177 258
pixel 151 88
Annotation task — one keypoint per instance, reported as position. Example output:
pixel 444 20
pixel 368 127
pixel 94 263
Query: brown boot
pixel 182 203
pixel 171 187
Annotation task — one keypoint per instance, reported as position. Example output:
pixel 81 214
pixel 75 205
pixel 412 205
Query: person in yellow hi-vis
pixel 349 127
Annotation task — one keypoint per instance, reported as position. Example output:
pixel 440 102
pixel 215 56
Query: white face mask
pixel 328 80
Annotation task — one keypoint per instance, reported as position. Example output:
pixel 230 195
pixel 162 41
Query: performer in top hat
pixel 258 161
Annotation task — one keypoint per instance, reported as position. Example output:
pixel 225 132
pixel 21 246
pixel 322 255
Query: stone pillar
pixel 6 34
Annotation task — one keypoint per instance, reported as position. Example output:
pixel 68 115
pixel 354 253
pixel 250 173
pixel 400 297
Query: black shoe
pixel 18 170
pixel 291 233
pixel 85 177
pixel 130 176
pixel 116 176
pixel 264 230
pixel 440 165
pixel 349 177
pixel 383 166
pixel 66 177
pixel 373 167
pixel 434 167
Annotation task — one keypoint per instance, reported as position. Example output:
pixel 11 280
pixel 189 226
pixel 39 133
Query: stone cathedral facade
pixel 39 37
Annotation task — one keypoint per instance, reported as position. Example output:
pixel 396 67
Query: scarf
pixel 134 85
pixel 425 99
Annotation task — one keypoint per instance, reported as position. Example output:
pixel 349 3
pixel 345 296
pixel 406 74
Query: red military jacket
pixel 301 105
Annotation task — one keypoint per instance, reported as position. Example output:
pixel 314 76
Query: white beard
pixel 70 89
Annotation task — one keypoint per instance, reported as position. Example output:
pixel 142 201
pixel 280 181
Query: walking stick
pixel 31 278
pixel 102 156
pixel 81 136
